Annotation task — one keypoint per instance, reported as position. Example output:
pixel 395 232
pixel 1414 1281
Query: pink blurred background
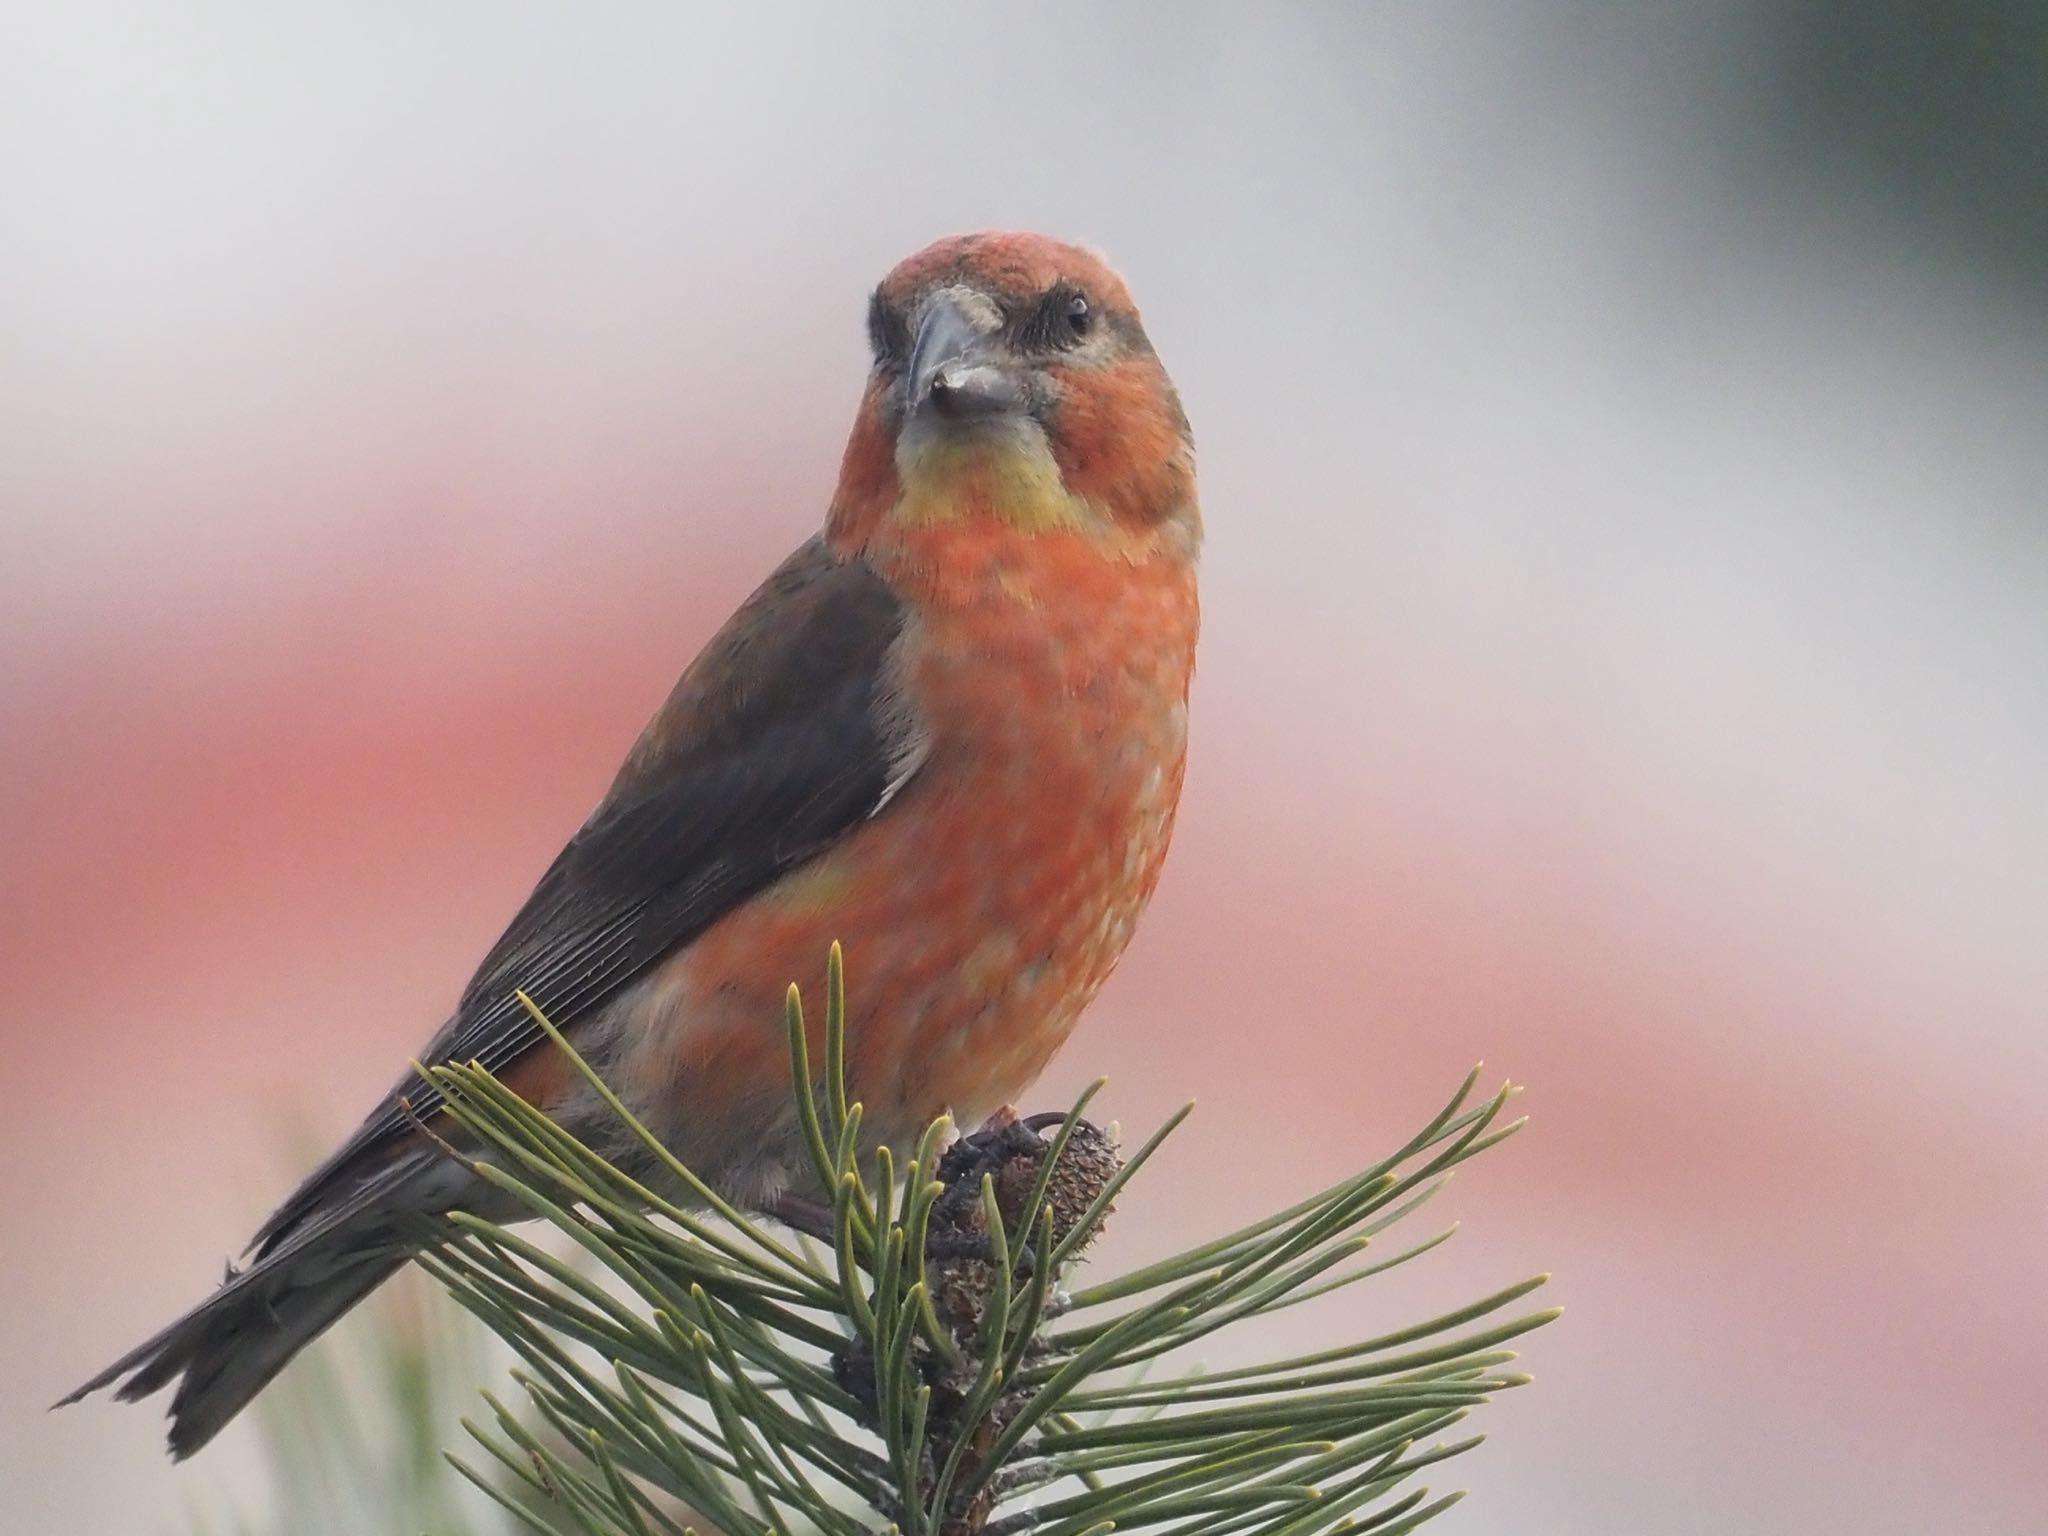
pixel 1627 624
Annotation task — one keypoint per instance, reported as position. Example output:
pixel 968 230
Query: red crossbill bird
pixel 948 731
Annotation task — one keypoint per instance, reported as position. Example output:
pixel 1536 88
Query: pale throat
pixel 1003 470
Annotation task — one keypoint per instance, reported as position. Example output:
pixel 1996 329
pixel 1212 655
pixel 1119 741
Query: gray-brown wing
pixel 780 738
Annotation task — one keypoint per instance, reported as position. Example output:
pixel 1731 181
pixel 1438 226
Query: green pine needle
pixel 929 1372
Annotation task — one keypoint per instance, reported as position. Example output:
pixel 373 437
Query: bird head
pixel 1013 380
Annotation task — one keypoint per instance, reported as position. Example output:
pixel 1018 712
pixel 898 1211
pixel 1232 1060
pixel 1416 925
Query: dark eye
pixel 1060 319
pixel 1079 317
pixel 888 332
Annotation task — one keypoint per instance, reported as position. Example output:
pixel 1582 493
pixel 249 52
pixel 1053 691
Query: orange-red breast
pixel 948 731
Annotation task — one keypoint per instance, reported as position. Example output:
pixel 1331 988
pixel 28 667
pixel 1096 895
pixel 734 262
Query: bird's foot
pixel 1004 1146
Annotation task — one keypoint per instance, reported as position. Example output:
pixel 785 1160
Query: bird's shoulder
pixel 821 623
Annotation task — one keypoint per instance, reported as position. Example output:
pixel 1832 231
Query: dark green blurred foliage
pixel 1933 112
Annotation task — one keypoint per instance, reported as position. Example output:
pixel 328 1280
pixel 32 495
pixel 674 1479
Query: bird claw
pixel 956 1216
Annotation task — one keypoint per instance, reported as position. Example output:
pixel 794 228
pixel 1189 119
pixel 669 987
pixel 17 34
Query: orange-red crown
pixel 1009 263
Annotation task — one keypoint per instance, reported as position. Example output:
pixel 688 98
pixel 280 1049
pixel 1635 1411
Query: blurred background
pixel 1624 435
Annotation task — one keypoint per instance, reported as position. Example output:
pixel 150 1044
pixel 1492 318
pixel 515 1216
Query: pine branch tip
pixel 939 1269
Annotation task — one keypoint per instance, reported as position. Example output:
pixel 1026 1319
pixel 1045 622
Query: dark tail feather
pixel 227 1349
